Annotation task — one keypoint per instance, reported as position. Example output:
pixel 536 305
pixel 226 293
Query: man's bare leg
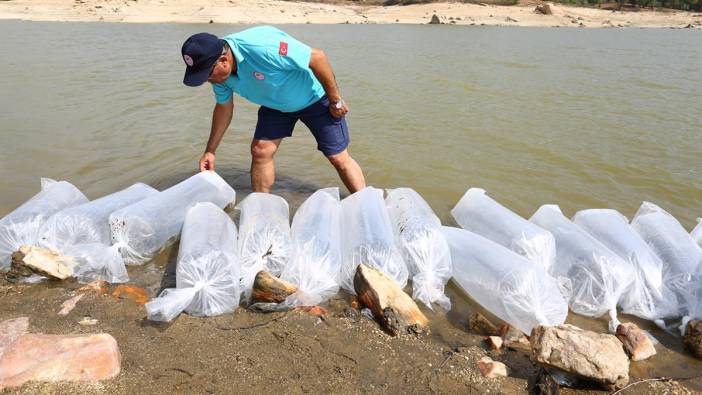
pixel 349 171
pixel 262 164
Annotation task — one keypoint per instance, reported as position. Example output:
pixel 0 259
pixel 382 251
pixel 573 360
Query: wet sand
pixel 295 352
pixel 284 12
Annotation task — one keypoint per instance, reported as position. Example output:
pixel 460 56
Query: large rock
pixel 693 337
pixel 636 342
pixel 11 330
pixel 40 357
pixel 543 9
pixel 29 260
pixel 590 355
pixel 394 309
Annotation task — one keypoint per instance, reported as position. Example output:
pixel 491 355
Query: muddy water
pixel 581 118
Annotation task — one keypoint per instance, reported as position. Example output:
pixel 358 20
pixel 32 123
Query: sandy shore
pixel 282 12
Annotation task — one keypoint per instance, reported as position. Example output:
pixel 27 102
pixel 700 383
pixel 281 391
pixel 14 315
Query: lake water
pixel 582 118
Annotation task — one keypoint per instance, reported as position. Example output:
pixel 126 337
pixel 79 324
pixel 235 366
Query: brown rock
pixel 543 9
pixel 495 342
pixel 490 368
pixel 394 309
pixel 69 305
pixel 11 330
pixel 100 287
pixel 515 339
pixel 693 337
pixel 138 295
pixel 40 357
pixel 269 289
pixel 480 325
pixel 636 342
pixel 434 20
pixel 593 356
pixel 29 260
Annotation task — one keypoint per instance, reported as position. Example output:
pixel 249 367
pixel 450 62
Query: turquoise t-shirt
pixel 272 70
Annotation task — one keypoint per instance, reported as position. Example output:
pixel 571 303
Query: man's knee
pixel 340 160
pixel 263 149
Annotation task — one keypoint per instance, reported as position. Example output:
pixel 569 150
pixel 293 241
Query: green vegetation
pixel 688 5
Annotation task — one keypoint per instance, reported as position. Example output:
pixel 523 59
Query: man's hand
pixel 338 109
pixel 207 162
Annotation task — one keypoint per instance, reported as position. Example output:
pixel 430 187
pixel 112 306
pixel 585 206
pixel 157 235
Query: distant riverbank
pixel 284 12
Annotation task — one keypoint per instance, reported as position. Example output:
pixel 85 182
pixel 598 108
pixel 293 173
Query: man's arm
pixel 319 64
pixel 221 118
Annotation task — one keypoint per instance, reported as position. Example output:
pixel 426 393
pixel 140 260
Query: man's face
pixel 220 71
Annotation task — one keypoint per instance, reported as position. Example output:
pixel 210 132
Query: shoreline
pixel 285 12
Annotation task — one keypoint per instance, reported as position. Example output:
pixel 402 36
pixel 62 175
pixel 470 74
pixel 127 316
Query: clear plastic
pixel 367 237
pixel 679 253
pixel 144 228
pixel 208 271
pixel 83 232
pixel 697 233
pixel 316 254
pixel 648 297
pixel 21 226
pixel 480 214
pixel 505 283
pixel 264 235
pixel 598 276
pixel 419 236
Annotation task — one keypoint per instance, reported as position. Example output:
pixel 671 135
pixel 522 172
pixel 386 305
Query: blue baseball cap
pixel 200 52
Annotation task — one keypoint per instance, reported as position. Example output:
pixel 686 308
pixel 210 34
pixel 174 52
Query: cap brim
pixel 196 77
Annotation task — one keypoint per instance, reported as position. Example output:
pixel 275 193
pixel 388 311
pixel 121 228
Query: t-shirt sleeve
pixel 222 93
pixel 290 54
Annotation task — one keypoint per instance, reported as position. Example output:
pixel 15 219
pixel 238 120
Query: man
pixel 291 82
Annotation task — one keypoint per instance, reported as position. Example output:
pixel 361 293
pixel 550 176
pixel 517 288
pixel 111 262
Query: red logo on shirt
pixel 259 76
pixel 283 49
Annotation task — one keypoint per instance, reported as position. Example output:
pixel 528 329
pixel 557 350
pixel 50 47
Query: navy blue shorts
pixel 332 134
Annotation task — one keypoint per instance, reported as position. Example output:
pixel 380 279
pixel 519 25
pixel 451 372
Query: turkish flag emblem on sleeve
pixel 283 49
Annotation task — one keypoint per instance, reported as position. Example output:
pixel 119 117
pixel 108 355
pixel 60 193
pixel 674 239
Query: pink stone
pixel 490 368
pixel 69 305
pixel 11 330
pixel 42 357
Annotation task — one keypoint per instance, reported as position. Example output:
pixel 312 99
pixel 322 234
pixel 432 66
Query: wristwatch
pixel 338 104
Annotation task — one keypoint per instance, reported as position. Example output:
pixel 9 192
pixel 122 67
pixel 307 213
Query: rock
pixel 510 19
pixel 636 342
pixel 138 295
pixel 495 342
pixel 100 287
pixel 490 368
pixel 478 324
pixel 693 337
pixel 269 289
pixel 593 356
pixel 11 330
pixel 394 309
pixel 543 384
pixel 313 310
pixel 88 321
pixel 543 9
pixel 69 305
pixel 41 357
pixel 434 20
pixel 515 339
pixel 30 260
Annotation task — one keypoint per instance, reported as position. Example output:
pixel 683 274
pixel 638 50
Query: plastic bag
pixel 424 248
pixel 146 227
pixel 264 235
pixel 679 253
pixel 207 273
pixel 21 226
pixel 316 253
pixel 598 276
pixel 697 233
pixel 505 283
pixel 480 214
pixel 367 237
pixel 648 297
